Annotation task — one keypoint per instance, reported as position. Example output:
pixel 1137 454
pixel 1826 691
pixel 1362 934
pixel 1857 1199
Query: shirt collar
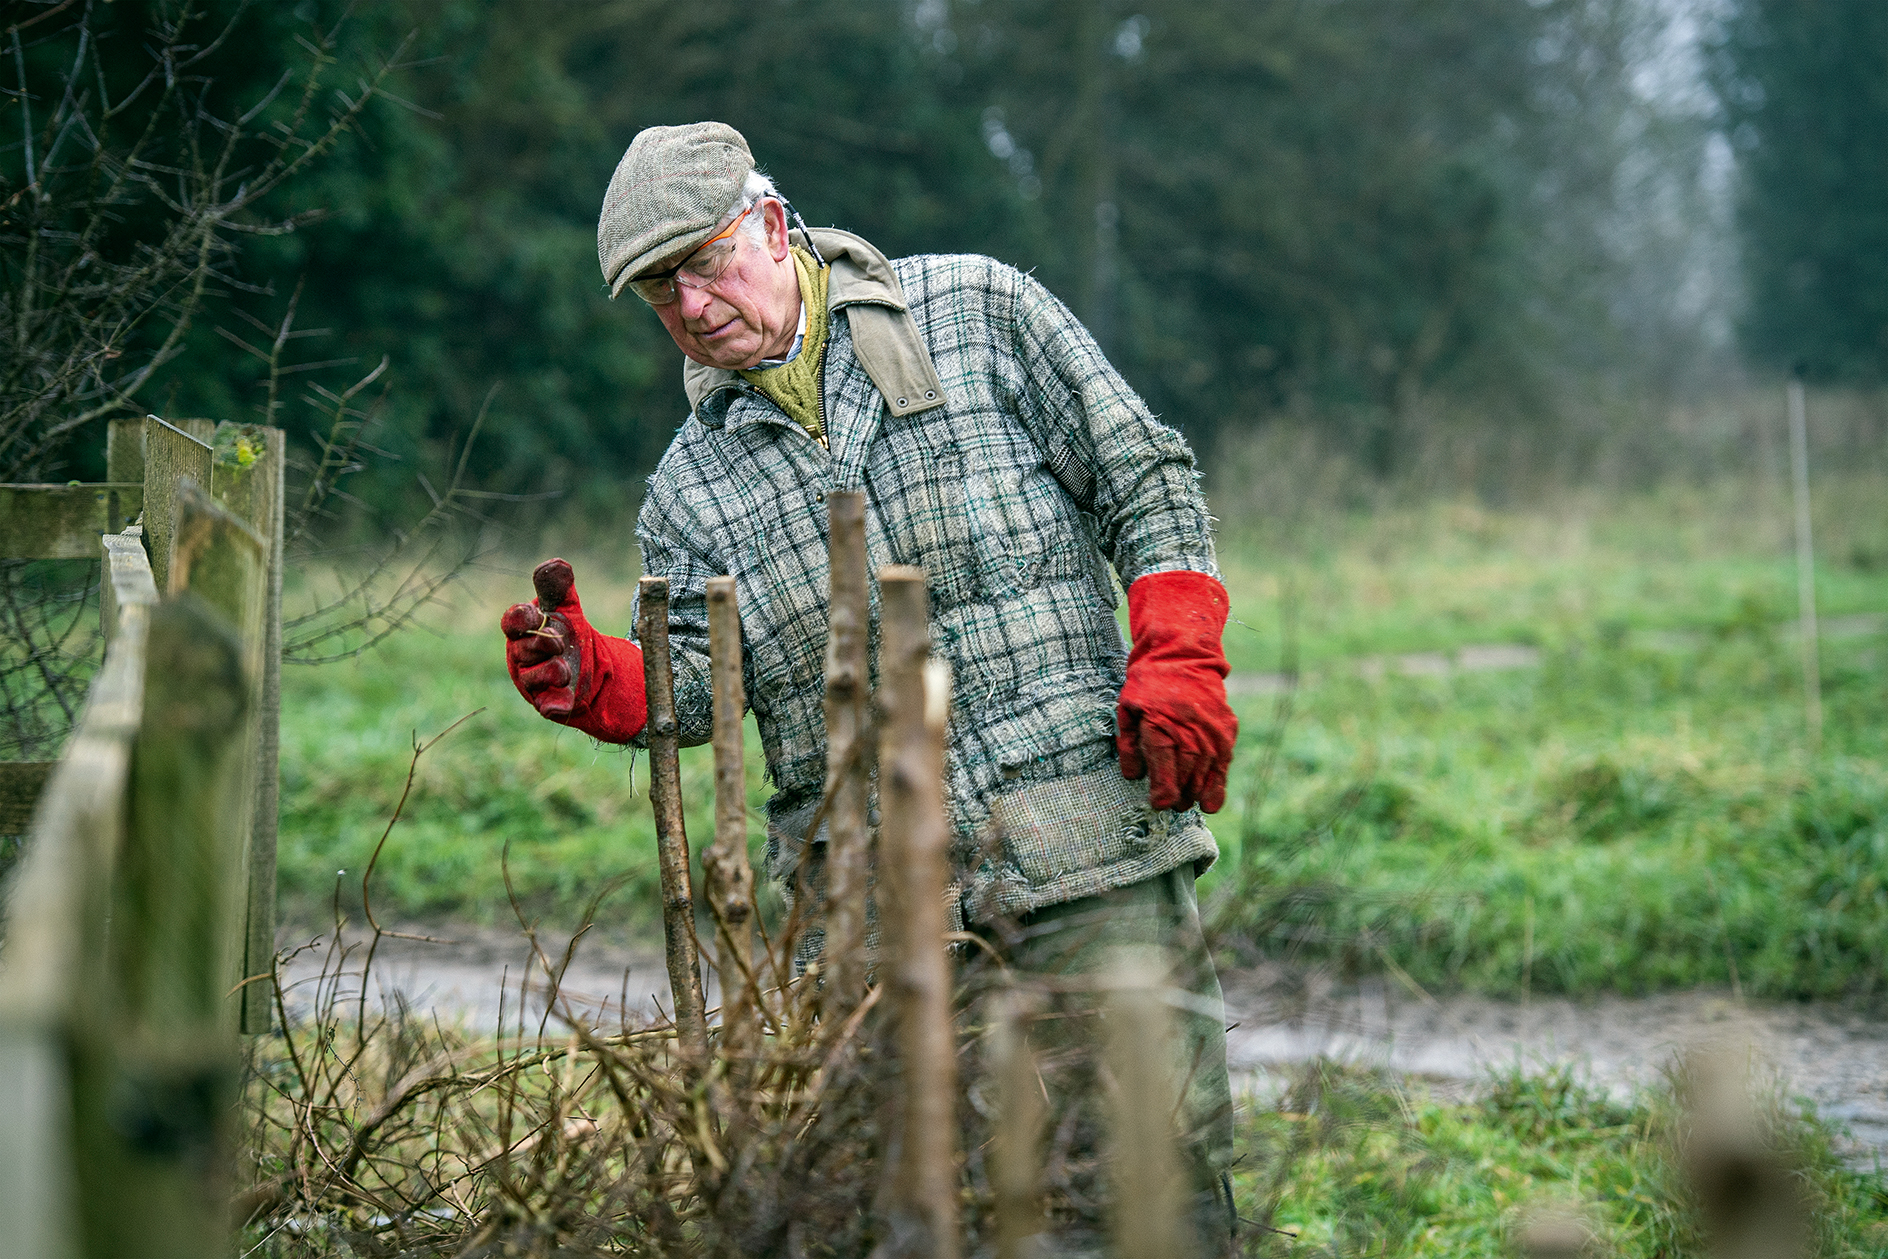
pixel 799 340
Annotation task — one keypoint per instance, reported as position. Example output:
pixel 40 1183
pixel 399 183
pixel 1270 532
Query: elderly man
pixel 998 449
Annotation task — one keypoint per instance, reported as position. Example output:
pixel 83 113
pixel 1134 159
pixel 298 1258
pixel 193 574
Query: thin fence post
pixel 1146 1199
pixel 914 708
pixel 729 876
pixel 1016 1145
pixel 1750 1199
pixel 848 757
pixel 665 800
pixel 1805 564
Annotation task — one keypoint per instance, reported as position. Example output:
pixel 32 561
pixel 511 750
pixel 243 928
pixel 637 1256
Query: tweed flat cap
pixel 667 195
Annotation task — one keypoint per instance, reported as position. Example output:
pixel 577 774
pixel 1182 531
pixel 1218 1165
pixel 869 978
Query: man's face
pixel 750 313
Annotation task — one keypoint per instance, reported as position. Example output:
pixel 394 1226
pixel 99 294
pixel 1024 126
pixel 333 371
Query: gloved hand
pixel 570 673
pixel 1173 724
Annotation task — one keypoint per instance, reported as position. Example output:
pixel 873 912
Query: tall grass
pixel 1639 810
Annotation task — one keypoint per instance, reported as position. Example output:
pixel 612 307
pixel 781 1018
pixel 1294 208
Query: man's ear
pixel 775 216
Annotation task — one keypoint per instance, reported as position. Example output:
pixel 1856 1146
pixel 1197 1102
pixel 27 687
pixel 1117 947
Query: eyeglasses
pixel 700 269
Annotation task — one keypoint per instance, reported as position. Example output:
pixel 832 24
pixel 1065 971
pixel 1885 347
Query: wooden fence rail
pixel 143 909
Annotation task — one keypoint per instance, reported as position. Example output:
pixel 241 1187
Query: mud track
pixel 1832 1054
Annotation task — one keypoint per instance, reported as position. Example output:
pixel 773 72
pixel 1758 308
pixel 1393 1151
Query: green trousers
pixel 1064 947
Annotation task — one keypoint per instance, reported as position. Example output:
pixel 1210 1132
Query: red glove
pixel 570 673
pixel 1173 724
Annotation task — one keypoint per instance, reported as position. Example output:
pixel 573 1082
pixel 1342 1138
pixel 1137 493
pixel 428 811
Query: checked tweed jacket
pixel 998 449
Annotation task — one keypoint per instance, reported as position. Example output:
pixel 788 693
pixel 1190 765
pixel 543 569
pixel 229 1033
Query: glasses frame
pixel 663 283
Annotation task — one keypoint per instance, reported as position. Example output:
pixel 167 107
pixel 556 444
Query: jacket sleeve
pixel 1132 473
pixel 669 549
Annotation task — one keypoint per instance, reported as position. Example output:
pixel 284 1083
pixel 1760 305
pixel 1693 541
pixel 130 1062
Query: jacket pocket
pixel 1023 522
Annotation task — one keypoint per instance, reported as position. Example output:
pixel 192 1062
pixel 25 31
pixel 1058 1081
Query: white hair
pixel 755 189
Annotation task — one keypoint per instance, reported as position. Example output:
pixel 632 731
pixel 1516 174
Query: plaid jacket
pixel 998 449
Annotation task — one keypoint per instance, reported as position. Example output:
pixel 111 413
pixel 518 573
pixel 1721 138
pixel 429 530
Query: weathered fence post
pixel 848 757
pixel 1751 1200
pixel 1146 1195
pixel 1016 1146
pixel 247 479
pixel 665 800
pixel 124 467
pixel 218 559
pixel 170 454
pixel 124 451
pixel 729 876
pixel 914 705
pixel 158 1185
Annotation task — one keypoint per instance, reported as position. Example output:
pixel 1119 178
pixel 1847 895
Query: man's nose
pixel 694 301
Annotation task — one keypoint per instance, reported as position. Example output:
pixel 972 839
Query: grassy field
pixel 1349 1163
pixel 1640 809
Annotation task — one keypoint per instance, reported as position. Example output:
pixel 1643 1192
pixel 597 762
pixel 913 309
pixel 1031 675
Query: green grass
pixel 1639 811
pixel 1447 574
pixel 1350 1163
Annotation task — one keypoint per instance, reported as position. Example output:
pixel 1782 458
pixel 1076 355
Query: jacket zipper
pixel 825 435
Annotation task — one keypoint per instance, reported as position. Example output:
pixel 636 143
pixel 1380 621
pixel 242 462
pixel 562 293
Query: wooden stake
pixel 730 877
pixel 914 712
pixel 1805 564
pixel 665 799
pixel 848 757
pixel 1147 1198
pixel 1749 1195
pixel 1016 1149
pixel 1557 1235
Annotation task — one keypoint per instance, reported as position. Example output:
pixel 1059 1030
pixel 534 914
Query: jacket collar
pixel 886 342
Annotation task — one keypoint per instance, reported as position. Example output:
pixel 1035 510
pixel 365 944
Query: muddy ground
pixel 1832 1054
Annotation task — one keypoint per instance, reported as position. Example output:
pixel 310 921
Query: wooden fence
pixel 142 913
